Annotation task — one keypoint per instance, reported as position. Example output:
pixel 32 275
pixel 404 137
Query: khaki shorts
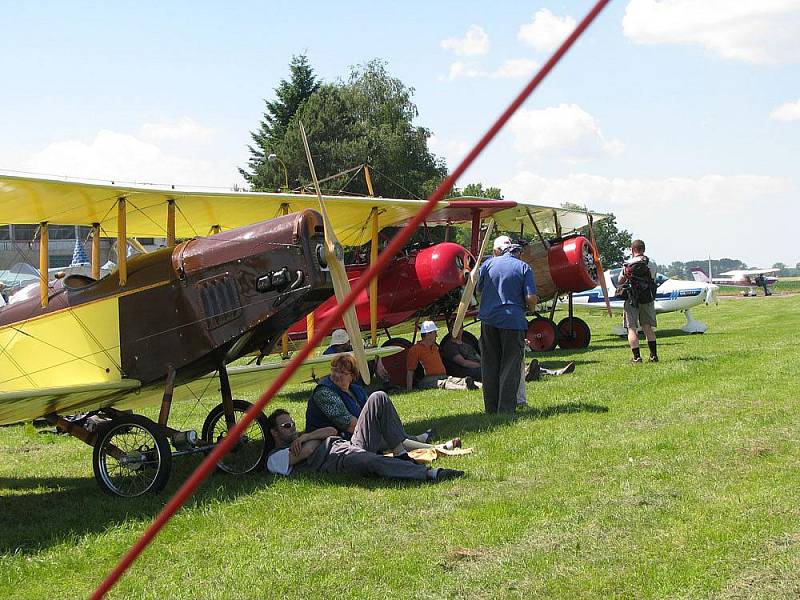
pixel 644 314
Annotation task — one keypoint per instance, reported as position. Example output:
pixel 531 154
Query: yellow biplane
pixel 165 325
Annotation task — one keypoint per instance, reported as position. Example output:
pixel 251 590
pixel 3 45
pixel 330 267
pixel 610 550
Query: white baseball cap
pixel 428 327
pixel 502 242
pixel 339 336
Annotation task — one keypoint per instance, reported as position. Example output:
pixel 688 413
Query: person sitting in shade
pixel 323 451
pixel 426 353
pixel 338 401
pixel 460 358
pixel 340 342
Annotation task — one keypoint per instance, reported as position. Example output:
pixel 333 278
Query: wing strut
pixel 122 243
pixel 469 288
pixel 44 261
pixel 373 285
pixel 96 250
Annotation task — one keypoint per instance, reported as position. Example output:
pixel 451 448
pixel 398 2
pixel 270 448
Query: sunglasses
pixel 287 425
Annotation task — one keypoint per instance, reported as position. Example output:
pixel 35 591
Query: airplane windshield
pixel 614 273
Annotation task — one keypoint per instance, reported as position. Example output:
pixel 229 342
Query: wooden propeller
pixel 469 288
pixel 600 275
pixel 334 256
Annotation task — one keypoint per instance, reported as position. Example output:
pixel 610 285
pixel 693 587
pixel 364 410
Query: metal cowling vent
pixel 220 300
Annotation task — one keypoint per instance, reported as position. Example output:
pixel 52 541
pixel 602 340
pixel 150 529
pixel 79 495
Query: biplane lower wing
pixel 25 405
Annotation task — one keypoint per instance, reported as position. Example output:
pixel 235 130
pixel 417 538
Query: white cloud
pixel 680 217
pixel 753 31
pixel 123 157
pixel 474 43
pixel 546 31
pixel 181 129
pixel 786 112
pixel 514 68
pixel 453 151
pixel 460 70
pixel 565 131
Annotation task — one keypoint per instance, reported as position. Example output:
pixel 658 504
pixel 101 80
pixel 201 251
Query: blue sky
pixel 680 116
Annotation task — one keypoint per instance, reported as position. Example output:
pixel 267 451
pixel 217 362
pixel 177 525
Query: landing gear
pixel 573 333
pixel 692 325
pixel 542 334
pixel 250 452
pixel 131 456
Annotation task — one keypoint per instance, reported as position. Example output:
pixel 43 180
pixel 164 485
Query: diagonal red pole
pixel 204 469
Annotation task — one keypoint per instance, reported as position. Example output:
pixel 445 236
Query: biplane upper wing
pixel 36 200
pixel 512 215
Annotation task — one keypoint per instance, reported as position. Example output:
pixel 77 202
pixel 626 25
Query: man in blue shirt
pixel 507 290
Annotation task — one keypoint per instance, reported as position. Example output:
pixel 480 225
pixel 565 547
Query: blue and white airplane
pixel 671 295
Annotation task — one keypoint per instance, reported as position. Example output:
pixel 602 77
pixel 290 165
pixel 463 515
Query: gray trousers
pixel 378 426
pixel 502 351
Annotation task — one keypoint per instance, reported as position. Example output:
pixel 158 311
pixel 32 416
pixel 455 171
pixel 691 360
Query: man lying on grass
pixel 322 450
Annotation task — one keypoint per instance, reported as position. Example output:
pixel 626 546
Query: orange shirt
pixel 429 357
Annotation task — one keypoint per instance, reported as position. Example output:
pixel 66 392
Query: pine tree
pixel 289 97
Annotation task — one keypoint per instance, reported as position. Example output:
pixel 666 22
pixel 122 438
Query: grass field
pixel 670 480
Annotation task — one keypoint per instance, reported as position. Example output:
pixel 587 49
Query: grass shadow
pixel 454 425
pixel 87 510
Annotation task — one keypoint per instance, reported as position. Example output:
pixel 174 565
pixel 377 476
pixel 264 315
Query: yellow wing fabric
pixel 25 405
pixel 35 200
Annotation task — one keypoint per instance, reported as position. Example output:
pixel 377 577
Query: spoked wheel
pixel 396 363
pixel 250 452
pixel 131 457
pixel 542 334
pixel 578 336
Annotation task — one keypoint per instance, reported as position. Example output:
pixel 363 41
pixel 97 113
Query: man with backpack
pixel 637 285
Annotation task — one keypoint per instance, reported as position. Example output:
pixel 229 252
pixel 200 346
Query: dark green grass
pixel 678 479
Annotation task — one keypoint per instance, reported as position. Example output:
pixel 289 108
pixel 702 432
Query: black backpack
pixel 642 287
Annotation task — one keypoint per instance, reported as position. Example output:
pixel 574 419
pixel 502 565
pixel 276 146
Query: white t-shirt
pixel 278 462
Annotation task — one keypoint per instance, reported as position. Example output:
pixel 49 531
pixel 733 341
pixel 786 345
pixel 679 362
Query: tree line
pixel 368 118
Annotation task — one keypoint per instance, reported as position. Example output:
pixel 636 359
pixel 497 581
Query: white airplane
pixel 671 295
pixel 748 278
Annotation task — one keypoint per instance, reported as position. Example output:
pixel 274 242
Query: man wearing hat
pixel 507 290
pixel 426 353
pixel 340 342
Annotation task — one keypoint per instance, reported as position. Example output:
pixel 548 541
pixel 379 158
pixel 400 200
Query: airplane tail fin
pixel 700 275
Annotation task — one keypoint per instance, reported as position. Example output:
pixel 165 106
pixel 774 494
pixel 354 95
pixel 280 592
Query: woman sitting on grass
pixel 337 402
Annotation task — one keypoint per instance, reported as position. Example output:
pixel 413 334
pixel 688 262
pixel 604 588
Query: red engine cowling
pixel 572 265
pixel 566 266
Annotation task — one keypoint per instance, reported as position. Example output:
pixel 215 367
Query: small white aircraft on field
pixel 747 278
pixel 671 295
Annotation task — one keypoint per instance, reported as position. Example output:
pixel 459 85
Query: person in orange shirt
pixel 426 353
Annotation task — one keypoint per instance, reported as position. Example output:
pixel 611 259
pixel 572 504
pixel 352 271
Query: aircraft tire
pixel 143 462
pixel 580 336
pixel 250 453
pixel 542 334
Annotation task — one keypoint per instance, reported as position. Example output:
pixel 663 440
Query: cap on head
pixel 513 249
pixel 339 336
pixel 502 242
pixel 428 327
